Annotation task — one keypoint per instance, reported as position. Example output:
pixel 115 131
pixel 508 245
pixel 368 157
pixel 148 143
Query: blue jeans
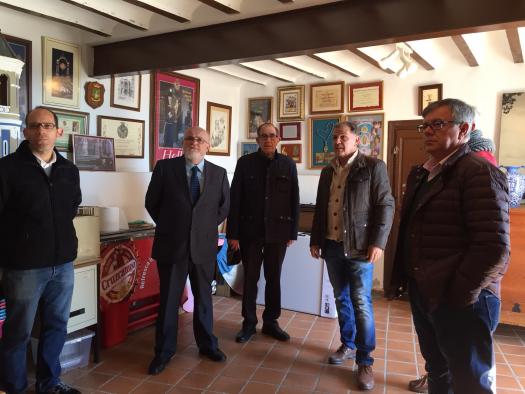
pixel 456 343
pixel 352 283
pixel 50 289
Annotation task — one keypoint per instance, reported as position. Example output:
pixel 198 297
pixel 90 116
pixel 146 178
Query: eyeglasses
pixel 197 140
pixel 437 124
pixel 268 136
pixel 45 126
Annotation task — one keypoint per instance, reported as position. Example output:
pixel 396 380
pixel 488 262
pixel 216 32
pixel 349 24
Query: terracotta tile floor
pixel 264 365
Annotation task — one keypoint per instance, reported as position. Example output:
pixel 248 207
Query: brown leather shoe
pixel 341 355
pixel 419 385
pixel 365 377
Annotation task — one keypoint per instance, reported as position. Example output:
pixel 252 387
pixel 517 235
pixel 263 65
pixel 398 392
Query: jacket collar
pixel 24 152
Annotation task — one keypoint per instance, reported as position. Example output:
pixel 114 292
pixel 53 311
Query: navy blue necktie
pixel 195 187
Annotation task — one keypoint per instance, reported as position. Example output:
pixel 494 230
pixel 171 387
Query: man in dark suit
pixel 188 197
pixel 263 221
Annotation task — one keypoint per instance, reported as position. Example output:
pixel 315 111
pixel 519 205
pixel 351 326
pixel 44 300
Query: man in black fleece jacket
pixel 39 197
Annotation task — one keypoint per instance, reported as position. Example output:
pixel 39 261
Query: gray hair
pixel 461 111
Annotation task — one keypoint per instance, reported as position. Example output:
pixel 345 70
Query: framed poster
pixel 125 91
pixel 60 73
pixel 259 111
pixel 23 50
pixel 290 102
pixel 365 96
pixel 369 128
pixel 127 134
pixel 290 131
pixel 219 124
pixel 92 153
pixel 72 122
pixel 511 150
pixel 293 151
pixel 428 94
pixel 248 147
pixel 175 107
pixel 321 129
pixel 327 98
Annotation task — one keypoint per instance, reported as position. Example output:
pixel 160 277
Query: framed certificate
pixel 128 135
pixel 365 96
pixel 327 98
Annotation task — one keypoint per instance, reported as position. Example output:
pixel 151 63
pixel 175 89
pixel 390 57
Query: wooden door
pixel 405 150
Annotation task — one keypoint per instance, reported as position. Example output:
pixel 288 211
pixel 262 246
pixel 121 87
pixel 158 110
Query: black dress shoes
pixel 275 331
pixel 245 334
pixel 157 365
pixel 214 355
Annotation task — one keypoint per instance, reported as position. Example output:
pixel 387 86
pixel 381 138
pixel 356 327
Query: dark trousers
pixel 457 343
pixel 254 254
pixel 172 281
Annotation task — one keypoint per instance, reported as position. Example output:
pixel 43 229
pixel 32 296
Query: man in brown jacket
pixel 452 251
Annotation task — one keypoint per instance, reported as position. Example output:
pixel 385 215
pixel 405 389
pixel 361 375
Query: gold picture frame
pixel 290 103
pixel 219 125
pixel 327 98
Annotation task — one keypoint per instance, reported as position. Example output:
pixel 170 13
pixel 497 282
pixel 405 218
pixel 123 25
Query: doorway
pixel 405 147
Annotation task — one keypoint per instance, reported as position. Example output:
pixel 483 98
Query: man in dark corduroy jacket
pixel 453 250
pixel 39 197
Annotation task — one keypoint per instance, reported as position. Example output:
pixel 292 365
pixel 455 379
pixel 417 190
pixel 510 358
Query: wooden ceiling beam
pixel 148 5
pixel 515 45
pixel 248 67
pixel 369 59
pixel 333 65
pixel 420 60
pixel 465 50
pixel 306 31
pixel 236 76
pixel 298 69
pixel 228 7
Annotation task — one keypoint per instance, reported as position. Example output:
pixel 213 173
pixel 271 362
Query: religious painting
pixel 175 100
pixel 259 112
pixel 321 149
pixel 125 91
pixel 290 101
pixel 369 128
pixel 23 50
pixel 293 151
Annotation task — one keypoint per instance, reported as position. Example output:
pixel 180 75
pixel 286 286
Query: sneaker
pixel 341 355
pixel 60 388
pixel 419 385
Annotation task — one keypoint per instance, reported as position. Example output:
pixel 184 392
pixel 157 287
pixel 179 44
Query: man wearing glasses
pixel 453 250
pixel 263 222
pixel 188 197
pixel 39 197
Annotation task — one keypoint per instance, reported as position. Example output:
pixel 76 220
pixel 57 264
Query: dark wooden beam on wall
pixel 306 31
pixel 159 11
pixel 220 6
pixel 465 50
pixel 333 65
pixel 515 46
pixel 369 59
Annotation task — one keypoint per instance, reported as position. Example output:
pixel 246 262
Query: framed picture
pixel 320 133
pixel 259 111
pixel 292 150
pixel 175 107
pixel 290 101
pixel 369 127
pixel 94 94
pixel 91 153
pixel 219 124
pixel 327 98
pixel 428 94
pixel 290 131
pixel 23 49
pixel 125 91
pixel 127 134
pixel 248 147
pixel 365 96
pixel 60 69
pixel 72 122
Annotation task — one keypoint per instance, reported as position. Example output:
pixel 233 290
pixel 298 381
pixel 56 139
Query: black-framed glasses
pixel 198 140
pixel 437 124
pixel 44 125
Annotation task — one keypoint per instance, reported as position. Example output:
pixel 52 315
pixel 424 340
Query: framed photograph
pixel 321 129
pixel 91 153
pixel 219 124
pixel 428 94
pixel 290 101
pixel 175 107
pixel 327 98
pixel 259 111
pixel 290 131
pixel 127 134
pixel 292 150
pixel 23 49
pixel 248 147
pixel 60 73
pixel 72 122
pixel 365 96
pixel 369 127
pixel 125 91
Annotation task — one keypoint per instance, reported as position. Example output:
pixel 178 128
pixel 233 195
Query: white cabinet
pixel 84 301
